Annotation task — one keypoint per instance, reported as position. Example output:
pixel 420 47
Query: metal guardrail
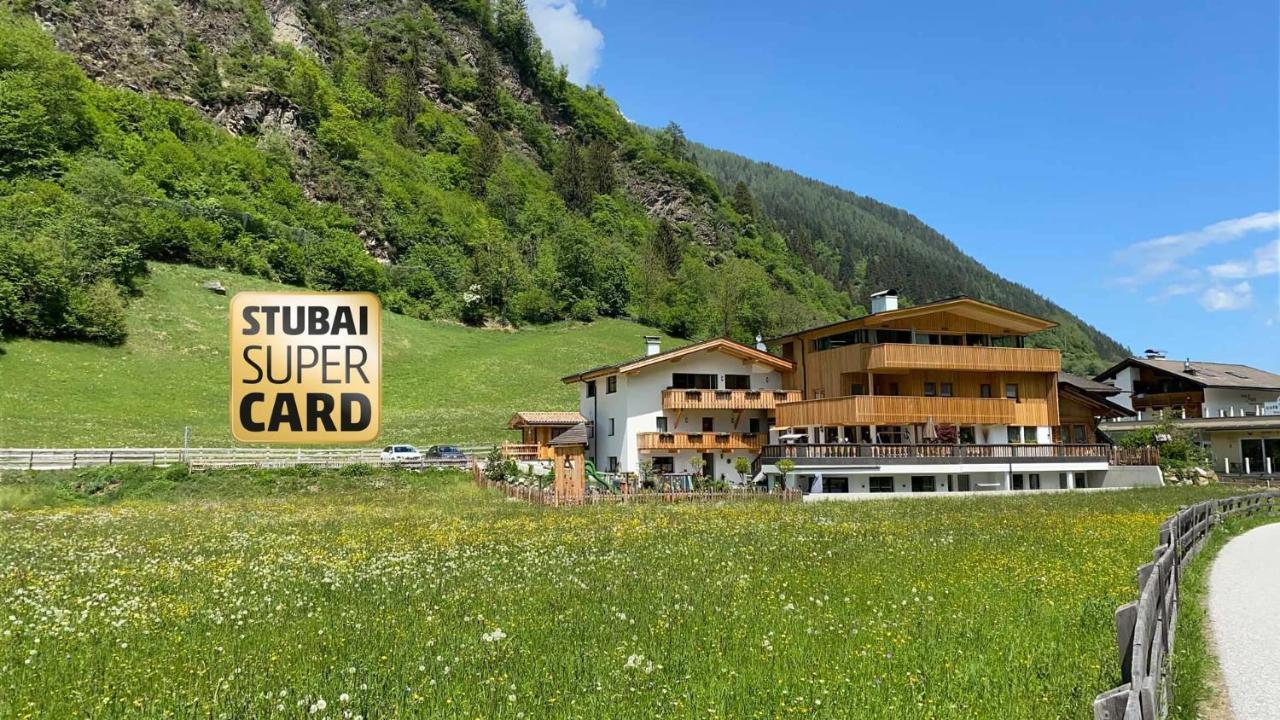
pixel 1146 628
pixel 30 459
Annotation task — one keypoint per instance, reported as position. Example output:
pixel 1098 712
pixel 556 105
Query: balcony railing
pixel 700 441
pixel 895 356
pixel 959 452
pixel 676 399
pixel 905 410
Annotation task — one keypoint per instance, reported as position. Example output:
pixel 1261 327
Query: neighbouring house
pixel 537 430
pixel 693 410
pixel 1233 409
pixel 943 397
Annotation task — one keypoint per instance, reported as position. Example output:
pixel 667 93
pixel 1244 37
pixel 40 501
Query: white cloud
pixel 1235 297
pixel 1265 261
pixel 1157 257
pixel 573 41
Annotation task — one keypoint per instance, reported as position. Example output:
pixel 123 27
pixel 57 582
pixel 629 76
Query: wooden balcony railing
pixel 701 441
pixel 905 410
pixel 894 356
pixel 851 451
pixel 675 399
pixel 526 451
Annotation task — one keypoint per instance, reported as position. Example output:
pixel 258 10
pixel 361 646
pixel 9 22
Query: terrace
pixel 903 410
pixel 677 399
pixel 845 454
pixel 703 441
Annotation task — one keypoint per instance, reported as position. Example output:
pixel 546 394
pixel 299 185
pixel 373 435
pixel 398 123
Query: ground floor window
pixel 664 464
pixel 1015 482
pixel 962 483
pixel 1033 481
pixel 613 464
pixel 881 484
pixel 835 485
pixel 922 483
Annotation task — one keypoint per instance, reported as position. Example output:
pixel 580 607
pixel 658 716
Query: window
pixel 1015 434
pixel 591 388
pixel 613 464
pixel 893 336
pixel 962 483
pixel 948 390
pixel 610 427
pixel 662 423
pixel 893 388
pixel 789 351
pixel 1011 391
pixel 708 424
pixel 737 382
pixel 977 340
pixel 922 483
pixel 1077 434
pixel 930 389
pixel 693 381
pixel 835 485
pixel 857 389
pixel 881 484
pixel 611 385
pixel 984 390
pixel 664 464
pixel 1033 481
pixel 968 435
pixel 891 435
pixel 753 425
pixel 1015 482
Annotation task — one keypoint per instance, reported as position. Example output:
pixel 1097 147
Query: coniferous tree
pixel 374 76
pixel 487 87
pixel 742 201
pixel 571 177
pixel 668 246
pixel 485 157
pixel 408 104
pixel 601 178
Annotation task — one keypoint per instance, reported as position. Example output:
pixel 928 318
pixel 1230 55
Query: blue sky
pixel 1122 159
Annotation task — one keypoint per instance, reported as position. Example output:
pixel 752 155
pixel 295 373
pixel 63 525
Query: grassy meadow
pixel 371 593
pixel 442 382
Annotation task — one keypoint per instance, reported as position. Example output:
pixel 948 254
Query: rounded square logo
pixel 306 367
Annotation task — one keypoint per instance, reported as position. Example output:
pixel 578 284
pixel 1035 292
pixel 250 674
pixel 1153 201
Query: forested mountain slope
pixel 431 152
pixel 863 245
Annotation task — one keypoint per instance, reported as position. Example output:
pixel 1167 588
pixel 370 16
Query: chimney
pixel 884 301
pixel 1186 367
pixel 652 345
pixel 760 344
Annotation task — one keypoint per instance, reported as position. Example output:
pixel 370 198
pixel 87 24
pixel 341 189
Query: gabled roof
pixel 1011 320
pixel 576 435
pixel 1099 401
pixel 1087 385
pixel 721 344
pixel 1204 374
pixel 537 417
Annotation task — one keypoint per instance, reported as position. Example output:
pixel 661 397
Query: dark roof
pixel 1087 385
pixel 719 342
pixel 1205 374
pixel 576 435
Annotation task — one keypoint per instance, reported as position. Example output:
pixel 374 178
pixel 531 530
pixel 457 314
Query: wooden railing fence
pixel 202 458
pixel 1146 628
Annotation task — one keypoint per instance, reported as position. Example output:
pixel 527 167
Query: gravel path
pixel 1244 610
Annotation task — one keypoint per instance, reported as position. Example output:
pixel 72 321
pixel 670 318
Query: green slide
pixel 599 481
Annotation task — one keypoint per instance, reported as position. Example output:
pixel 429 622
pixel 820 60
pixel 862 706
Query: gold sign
pixel 306 367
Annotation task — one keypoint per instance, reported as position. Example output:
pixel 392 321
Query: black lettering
pixel 348 400
pixel 288 367
pixel 364 320
pixel 246 411
pixel 330 353
pixel 343 322
pixel 319 320
pixel 319 409
pixel 249 318
pixel 285 411
pixel 270 311
pixel 357 366
pixel 297 326
pixel 252 364
pixel 303 364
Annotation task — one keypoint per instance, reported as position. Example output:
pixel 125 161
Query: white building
pixel 696 410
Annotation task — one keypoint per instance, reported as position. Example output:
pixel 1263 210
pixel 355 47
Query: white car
pixel 401 454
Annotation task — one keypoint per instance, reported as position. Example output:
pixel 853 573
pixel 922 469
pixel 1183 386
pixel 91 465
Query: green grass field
pixel 146 593
pixel 441 382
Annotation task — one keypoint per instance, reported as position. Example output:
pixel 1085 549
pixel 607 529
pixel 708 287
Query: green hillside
pixel 441 381
pixel 863 245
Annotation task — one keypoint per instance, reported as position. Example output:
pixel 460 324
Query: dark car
pixel 445 452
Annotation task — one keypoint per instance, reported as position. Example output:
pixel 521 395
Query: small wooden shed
pixel 537 430
pixel 569 450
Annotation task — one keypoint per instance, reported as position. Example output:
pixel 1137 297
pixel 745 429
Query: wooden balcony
pixel 907 410
pixel 893 357
pixel 675 399
pixel 873 454
pixel 705 442
pixel 526 451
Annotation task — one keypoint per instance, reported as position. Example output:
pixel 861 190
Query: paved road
pixel 1244 609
